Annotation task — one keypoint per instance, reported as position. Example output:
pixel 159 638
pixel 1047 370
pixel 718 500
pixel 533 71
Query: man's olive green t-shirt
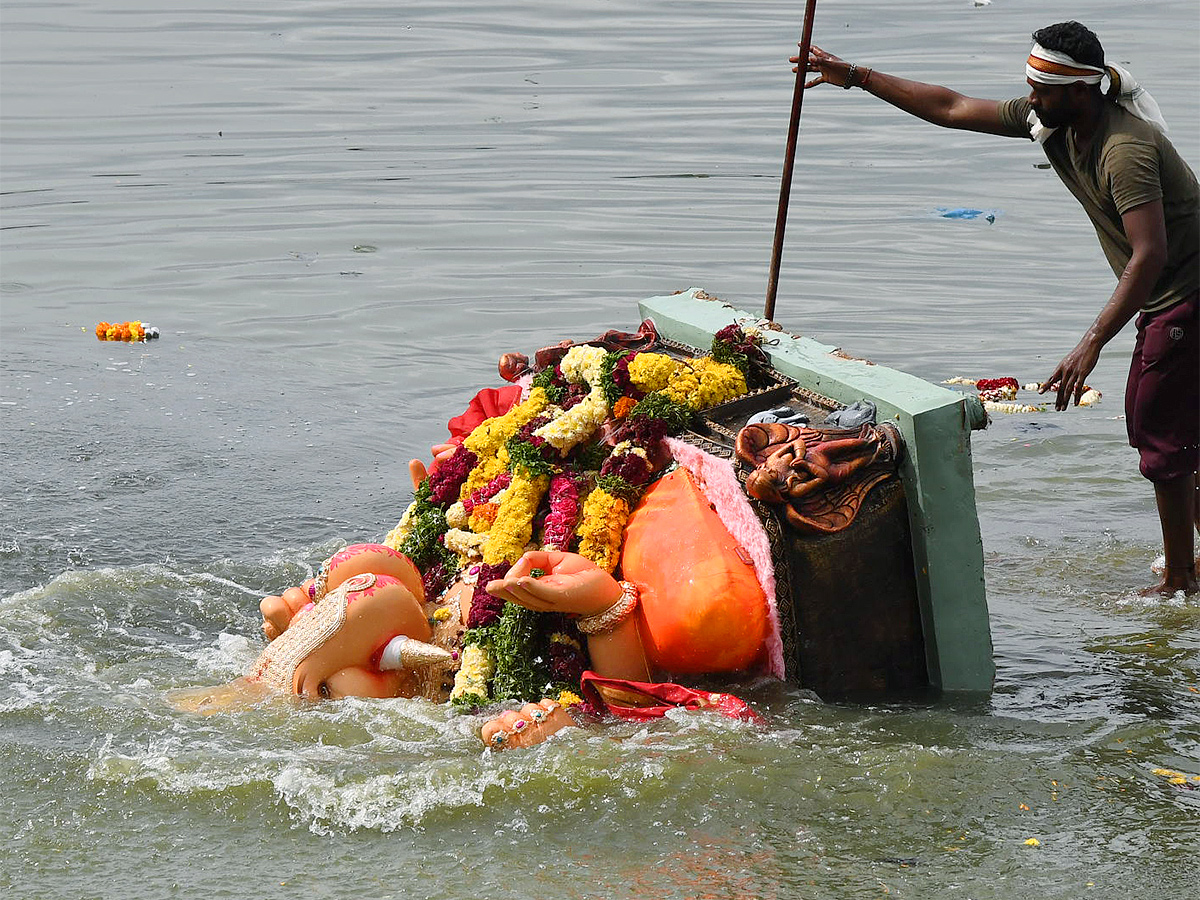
pixel 1128 163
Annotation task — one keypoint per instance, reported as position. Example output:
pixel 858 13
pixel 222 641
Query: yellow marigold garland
pixel 696 383
pixel 483 473
pixel 488 437
pixel 651 371
pixel 396 536
pixel 513 527
pixel 602 528
pixel 473 675
pixel 704 382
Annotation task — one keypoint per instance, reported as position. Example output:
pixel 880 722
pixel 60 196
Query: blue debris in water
pixel 962 212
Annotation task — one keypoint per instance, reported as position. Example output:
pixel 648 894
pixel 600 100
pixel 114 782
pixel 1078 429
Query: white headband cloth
pixel 1055 67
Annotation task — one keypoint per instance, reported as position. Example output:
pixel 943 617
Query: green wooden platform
pixel 936 424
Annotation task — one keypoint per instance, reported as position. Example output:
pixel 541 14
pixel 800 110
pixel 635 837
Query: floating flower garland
pixel 998 395
pixel 997 406
pixel 998 389
pixel 125 331
pixel 541 470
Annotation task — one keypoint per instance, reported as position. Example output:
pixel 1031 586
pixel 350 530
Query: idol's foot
pixel 1174 579
pixel 531 724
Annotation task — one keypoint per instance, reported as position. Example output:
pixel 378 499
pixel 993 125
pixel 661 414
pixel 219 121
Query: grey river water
pixel 339 214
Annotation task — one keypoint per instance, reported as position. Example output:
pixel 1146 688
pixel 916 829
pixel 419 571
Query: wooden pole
pixel 785 188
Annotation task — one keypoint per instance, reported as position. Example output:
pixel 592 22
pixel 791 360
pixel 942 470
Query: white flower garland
pixel 578 423
pixel 583 364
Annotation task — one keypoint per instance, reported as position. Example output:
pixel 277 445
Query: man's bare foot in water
pixel 1174 579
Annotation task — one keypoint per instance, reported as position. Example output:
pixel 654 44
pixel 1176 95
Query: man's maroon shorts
pixel 1162 396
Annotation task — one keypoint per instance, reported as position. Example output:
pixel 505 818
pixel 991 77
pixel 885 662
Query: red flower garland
pixel 486 609
pixel 992 384
pixel 564 512
pixel 447 480
pixel 488 491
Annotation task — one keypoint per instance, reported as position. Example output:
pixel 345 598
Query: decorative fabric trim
pixel 276 665
pixel 641 701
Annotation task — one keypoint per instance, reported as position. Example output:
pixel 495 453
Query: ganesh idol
pixel 564 553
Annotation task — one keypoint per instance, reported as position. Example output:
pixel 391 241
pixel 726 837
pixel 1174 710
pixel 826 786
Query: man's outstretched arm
pixel 930 102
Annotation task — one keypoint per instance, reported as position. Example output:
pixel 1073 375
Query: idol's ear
pixel 406 653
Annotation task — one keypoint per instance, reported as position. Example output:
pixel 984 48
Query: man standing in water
pixel 1110 151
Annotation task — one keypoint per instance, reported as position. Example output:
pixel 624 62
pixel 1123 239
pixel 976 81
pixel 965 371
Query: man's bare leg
pixel 1178 513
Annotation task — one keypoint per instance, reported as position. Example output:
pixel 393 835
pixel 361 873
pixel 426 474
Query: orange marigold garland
pixel 623 407
pixel 126 331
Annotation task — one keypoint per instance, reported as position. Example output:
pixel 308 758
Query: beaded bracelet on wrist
pixel 609 619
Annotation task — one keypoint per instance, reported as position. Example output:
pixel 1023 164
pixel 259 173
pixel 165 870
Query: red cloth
pixel 641 701
pixel 487 404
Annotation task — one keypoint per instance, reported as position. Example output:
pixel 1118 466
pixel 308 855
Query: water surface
pixel 339 214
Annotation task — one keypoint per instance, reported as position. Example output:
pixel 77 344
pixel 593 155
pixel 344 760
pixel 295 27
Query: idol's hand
pixel 417 472
pixel 532 724
pixel 572 584
pixel 440 453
